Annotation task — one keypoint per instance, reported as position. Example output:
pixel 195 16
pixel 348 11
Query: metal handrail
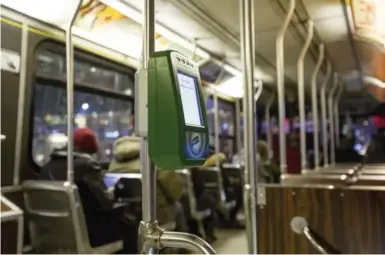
pixel 314 107
pixel 259 91
pixel 186 241
pixel 299 226
pixel 70 92
pixel 151 236
pixel 337 114
pixel 331 119
pixel 281 85
pixel 301 93
pixel 324 120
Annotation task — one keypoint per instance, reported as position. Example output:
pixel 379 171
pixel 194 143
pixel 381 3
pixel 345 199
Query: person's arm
pixel 171 184
pixel 212 160
pixel 93 178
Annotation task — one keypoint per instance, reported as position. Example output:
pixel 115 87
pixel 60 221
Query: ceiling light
pixel 374 81
pixel 136 15
pixel 232 87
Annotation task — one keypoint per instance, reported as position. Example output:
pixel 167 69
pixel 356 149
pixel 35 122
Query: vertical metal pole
pixel 269 138
pixel 281 86
pixel 315 105
pixel 21 102
pixel 337 114
pixel 247 54
pixel 216 127
pixel 331 120
pixel 70 94
pixel 324 117
pixel 148 169
pixel 301 93
pixel 238 124
pixel 151 236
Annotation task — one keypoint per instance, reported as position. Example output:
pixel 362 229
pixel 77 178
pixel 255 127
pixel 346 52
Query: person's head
pixel 85 141
pixel 126 148
pixel 263 150
pixel 211 151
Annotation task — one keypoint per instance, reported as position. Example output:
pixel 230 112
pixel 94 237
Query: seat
pixel 212 182
pixel 232 180
pixel 56 219
pixel 129 189
pixel 189 192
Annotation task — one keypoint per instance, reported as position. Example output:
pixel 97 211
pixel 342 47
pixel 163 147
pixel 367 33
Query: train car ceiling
pixel 199 28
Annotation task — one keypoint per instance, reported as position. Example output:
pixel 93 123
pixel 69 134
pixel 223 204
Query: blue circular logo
pixel 195 144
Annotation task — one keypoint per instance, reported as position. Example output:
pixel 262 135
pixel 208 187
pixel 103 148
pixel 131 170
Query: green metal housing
pixel 168 135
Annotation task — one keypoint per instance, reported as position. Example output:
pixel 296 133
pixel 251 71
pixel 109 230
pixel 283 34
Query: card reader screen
pixel 190 100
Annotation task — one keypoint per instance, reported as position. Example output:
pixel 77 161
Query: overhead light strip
pixel 136 15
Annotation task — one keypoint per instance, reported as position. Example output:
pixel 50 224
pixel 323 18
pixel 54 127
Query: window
pixel 107 117
pixel 52 65
pixel 102 102
pixel 210 115
pixel 226 118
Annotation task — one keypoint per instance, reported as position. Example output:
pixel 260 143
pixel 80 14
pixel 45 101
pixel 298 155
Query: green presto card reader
pixel 177 123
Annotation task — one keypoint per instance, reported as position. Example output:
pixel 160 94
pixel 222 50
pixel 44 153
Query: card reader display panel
pixel 188 88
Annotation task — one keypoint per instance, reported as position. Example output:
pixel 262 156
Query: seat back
pixel 56 218
pixel 210 180
pixel 188 185
pixel 232 179
pixel 205 180
pixel 129 187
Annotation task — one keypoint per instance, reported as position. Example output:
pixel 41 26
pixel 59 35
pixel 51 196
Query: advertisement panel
pixel 369 19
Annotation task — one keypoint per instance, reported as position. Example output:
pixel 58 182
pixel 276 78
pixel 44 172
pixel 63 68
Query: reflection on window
pixel 52 65
pixel 210 115
pixel 226 146
pixel 226 116
pixel 107 117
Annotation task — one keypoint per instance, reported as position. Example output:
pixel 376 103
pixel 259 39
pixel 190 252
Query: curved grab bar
pixel 324 120
pixel 280 62
pixel 299 226
pixel 259 91
pixel 187 241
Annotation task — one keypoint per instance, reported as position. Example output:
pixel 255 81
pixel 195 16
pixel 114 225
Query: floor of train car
pixel 231 241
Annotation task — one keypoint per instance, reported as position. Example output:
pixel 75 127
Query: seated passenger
pixel 272 170
pixel 206 199
pixel 97 204
pixel 126 151
pixel 211 161
pixel 263 175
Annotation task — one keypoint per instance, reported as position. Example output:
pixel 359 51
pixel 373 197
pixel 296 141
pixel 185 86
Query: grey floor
pixel 231 242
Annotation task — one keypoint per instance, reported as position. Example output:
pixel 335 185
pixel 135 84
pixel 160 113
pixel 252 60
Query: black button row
pixel 184 62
